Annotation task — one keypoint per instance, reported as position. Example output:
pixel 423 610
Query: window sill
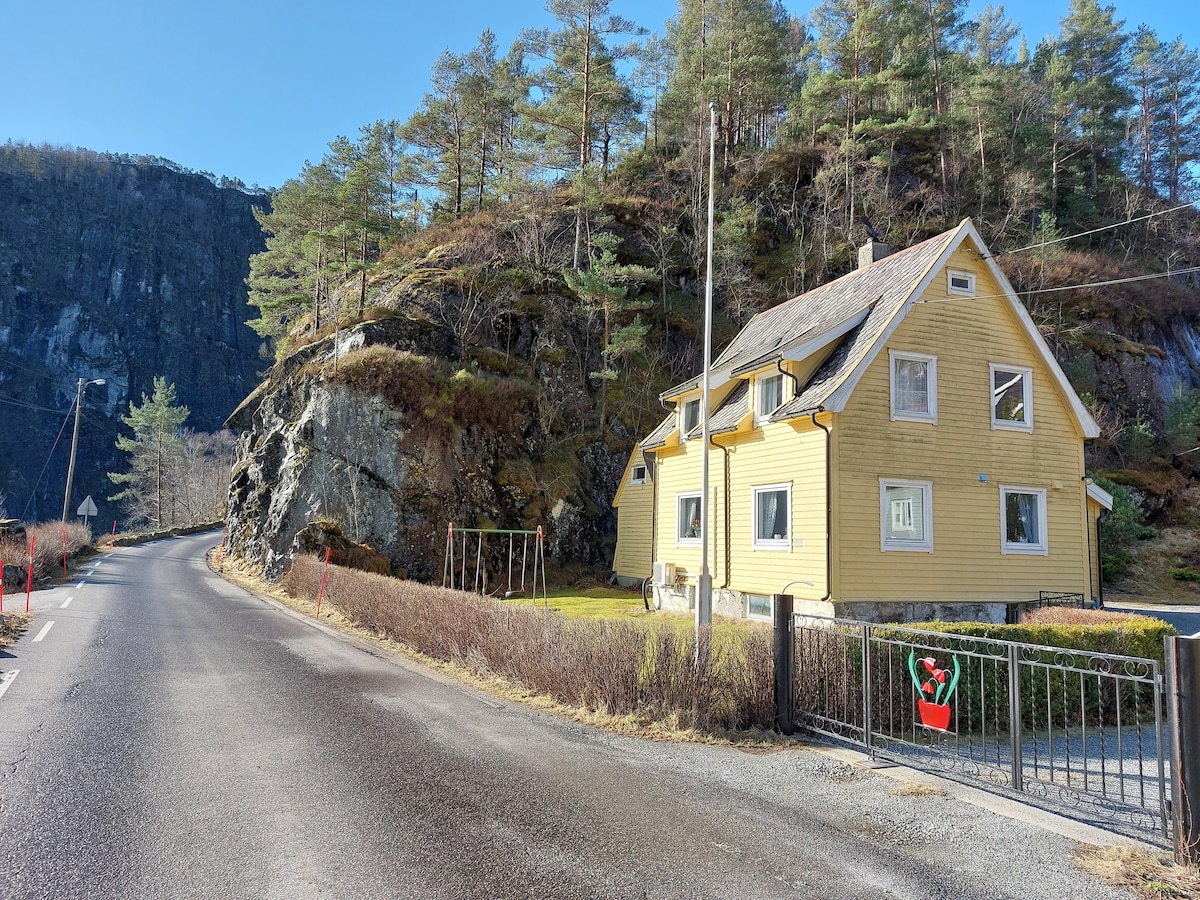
pixel 687 542
pixel 914 547
pixel 913 417
pixel 1005 425
pixel 1024 550
pixel 780 544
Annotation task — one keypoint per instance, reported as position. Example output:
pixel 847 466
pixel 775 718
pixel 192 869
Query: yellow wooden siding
pixel 781 453
pixel 966 335
pixel 635 521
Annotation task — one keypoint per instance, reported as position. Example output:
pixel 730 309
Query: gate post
pixel 785 665
pixel 1183 678
pixel 1014 717
pixel 868 713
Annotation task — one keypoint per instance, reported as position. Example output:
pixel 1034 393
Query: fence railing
pixel 1079 732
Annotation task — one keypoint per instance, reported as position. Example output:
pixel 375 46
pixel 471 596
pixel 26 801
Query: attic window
pixel 689 417
pixel 1012 398
pixel 637 475
pixel 960 283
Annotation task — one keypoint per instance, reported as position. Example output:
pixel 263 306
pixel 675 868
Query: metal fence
pixel 1077 732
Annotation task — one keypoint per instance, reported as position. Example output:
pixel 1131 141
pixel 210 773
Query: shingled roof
pixel 859 310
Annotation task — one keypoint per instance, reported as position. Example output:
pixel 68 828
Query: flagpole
pixel 704 592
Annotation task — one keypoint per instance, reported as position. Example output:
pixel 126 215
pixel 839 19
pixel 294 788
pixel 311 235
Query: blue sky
pixel 253 88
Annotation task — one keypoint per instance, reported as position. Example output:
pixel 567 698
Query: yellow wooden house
pixel 897 444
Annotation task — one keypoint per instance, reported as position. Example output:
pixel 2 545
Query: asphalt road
pixel 168 735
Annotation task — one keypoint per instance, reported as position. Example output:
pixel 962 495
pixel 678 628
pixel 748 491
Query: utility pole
pixel 75 445
pixel 704 588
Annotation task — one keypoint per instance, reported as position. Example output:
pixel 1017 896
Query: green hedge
pixel 1140 636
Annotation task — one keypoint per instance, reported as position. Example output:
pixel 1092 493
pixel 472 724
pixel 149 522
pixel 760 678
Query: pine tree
pixel 1095 52
pixel 153 451
pixel 604 287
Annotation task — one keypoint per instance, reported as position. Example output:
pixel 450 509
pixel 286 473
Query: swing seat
pixel 514 595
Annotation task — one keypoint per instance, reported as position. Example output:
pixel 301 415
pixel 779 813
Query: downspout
pixel 728 551
pixel 1100 555
pixel 1087 512
pixel 828 507
pixel 828 482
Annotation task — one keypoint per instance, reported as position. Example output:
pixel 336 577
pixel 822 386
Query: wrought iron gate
pixel 1080 733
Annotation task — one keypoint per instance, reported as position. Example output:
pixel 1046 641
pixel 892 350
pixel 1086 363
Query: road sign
pixel 87 507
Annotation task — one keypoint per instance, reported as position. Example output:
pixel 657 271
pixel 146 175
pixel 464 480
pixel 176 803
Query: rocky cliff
pixel 374 430
pixel 122 271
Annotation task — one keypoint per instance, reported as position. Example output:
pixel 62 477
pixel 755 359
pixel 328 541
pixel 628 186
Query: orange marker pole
pixel 324 572
pixel 113 537
pixel 64 531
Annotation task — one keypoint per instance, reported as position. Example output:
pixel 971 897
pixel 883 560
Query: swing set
pixel 454 568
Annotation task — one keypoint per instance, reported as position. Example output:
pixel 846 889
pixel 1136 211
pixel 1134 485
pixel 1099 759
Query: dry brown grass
pixel 48 547
pixel 1141 871
pixel 633 671
pixel 916 789
pixel 1149 577
pixel 12 626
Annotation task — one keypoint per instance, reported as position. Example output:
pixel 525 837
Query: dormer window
pixel 960 283
pixel 768 396
pixel 689 417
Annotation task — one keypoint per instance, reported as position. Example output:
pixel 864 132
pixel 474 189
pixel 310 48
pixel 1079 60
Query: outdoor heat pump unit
pixel 664 573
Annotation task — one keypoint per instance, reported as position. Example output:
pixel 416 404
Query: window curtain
pixel 912 393
pixel 1023 519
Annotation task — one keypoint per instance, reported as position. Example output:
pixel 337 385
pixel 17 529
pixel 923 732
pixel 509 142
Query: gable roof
pixel 863 308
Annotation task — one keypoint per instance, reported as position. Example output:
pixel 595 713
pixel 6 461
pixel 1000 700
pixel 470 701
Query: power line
pixel 1072 237
pixel 42 474
pixel 1072 287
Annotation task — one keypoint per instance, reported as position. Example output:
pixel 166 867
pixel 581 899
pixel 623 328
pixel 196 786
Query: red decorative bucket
pixel 934 715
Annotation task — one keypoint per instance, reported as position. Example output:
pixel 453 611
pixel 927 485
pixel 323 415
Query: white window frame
pixel 761 617
pixel 761 416
pixel 783 543
pixel 951 288
pixel 683 407
pixel 886 544
pixel 1026 388
pixel 1042 548
pixel 895 356
pixel 634 478
pixel 682 540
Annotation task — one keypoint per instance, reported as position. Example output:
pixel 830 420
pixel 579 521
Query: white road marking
pixel 90 572
pixel 7 678
pixel 66 603
pixel 45 630
pixel 78 586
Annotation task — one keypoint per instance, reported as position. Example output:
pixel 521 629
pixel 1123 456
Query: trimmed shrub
pixel 634 668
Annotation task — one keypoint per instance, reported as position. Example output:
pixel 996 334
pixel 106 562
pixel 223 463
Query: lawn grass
pixel 598 601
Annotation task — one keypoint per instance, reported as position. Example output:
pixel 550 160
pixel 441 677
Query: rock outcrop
pixel 393 444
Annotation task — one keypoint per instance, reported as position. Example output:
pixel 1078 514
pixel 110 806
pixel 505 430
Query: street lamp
pixel 75 445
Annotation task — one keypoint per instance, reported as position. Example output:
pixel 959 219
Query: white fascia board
pixel 1086 423
pixel 1100 495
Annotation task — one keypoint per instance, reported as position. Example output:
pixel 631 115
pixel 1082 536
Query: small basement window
pixel 759 606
